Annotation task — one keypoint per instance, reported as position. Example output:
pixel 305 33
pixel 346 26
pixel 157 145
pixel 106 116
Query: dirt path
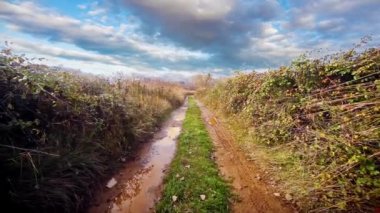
pixel 253 194
pixel 139 183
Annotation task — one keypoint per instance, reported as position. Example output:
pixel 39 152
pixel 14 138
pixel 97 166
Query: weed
pixel 193 173
pixel 63 132
pixel 319 119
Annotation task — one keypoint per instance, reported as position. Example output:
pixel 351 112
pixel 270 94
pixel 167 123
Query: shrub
pixel 327 112
pixel 63 132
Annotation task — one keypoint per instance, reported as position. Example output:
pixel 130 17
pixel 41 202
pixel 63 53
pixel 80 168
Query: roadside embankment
pixel 63 133
pixel 314 126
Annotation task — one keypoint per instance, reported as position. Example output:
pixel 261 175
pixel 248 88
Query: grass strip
pixel 193 183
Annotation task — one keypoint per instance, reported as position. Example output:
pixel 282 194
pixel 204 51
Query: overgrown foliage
pixel 326 113
pixel 62 133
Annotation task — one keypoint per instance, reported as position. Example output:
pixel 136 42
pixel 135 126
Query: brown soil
pixel 253 194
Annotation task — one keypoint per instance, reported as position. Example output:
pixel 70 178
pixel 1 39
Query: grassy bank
pixel 193 173
pixel 314 124
pixel 62 133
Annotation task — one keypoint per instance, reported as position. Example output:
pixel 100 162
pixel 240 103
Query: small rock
pixel 288 197
pixel 177 175
pixel 203 197
pixel 122 160
pixel 111 183
pixel 182 178
pixel 277 194
pixel 187 166
pixel 174 198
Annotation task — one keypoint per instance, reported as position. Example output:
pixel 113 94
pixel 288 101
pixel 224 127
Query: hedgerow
pixel 326 111
pixel 62 133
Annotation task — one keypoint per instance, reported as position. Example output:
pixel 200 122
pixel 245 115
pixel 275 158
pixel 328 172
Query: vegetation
pixel 193 183
pixel 317 122
pixel 62 133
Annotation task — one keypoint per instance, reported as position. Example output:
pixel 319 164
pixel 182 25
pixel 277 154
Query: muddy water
pixel 139 183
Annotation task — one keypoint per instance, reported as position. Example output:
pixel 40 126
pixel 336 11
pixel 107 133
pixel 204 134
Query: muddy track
pixel 139 182
pixel 253 194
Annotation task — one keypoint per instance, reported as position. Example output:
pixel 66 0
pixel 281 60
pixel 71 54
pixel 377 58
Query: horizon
pixel 177 39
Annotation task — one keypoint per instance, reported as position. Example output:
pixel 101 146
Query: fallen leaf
pixel 276 194
pixel 203 197
pixel 213 121
pixel 187 166
pixel 182 178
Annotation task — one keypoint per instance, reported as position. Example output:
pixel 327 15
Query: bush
pixel 327 111
pixel 62 133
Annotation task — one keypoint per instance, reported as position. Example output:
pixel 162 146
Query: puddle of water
pixel 139 191
pixel 173 132
pixel 179 116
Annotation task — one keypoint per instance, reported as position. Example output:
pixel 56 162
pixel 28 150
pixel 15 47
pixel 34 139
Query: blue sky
pixel 175 39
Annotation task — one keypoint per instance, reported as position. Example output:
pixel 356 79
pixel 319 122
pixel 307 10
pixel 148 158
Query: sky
pixel 175 39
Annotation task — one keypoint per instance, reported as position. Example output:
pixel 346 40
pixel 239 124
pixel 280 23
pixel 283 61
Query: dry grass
pixel 319 120
pixel 62 132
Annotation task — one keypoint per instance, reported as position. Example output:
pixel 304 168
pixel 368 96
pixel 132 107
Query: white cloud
pixel 272 49
pixel 82 6
pixel 268 29
pixel 301 19
pixel 331 24
pixel 338 6
pixel 104 19
pixel 54 51
pixel 89 62
pixel 202 10
pixel 170 53
pixel 30 18
pixel 97 11
pixel 332 15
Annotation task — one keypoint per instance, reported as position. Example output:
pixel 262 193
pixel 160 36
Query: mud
pixel 140 180
pixel 253 195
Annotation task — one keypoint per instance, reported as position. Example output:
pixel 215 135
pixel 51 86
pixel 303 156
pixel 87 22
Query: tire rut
pixel 254 196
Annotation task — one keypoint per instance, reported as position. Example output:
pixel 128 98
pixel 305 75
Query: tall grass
pixel 317 121
pixel 62 133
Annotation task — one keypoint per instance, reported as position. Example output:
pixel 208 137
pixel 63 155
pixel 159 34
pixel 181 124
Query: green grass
pixel 201 178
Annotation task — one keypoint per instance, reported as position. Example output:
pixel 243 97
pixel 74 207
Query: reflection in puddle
pixel 173 132
pixel 179 117
pixel 139 193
